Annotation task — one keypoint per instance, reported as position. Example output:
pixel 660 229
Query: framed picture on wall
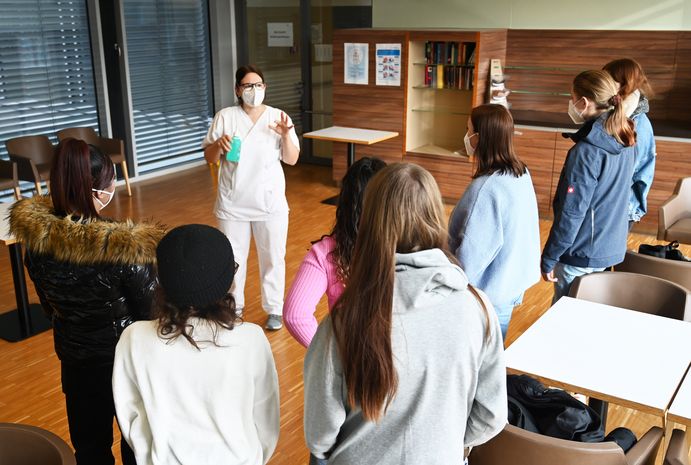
pixel 356 63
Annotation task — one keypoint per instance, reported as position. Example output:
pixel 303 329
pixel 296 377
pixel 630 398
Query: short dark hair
pixel 243 71
pixel 494 153
pixel 77 168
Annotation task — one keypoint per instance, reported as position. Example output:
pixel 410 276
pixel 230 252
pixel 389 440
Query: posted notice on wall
pixel 279 34
pixel 388 64
pixel 356 63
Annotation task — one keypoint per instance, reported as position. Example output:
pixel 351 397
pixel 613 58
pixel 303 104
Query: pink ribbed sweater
pixel 317 275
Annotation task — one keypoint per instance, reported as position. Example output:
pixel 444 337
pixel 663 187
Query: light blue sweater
pixel 494 232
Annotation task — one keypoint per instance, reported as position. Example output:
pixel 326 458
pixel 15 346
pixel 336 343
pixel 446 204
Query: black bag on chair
pixel 670 251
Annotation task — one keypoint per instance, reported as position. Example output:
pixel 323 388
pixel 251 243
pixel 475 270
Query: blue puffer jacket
pixel 590 205
pixel 644 167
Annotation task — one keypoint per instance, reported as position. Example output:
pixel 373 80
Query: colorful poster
pixel 356 63
pixel 388 64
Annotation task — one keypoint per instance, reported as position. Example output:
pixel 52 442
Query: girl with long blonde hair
pixel 408 368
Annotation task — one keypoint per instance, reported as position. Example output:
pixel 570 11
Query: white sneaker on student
pixel 274 322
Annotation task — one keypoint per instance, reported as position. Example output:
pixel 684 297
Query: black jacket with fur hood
pixel 93 278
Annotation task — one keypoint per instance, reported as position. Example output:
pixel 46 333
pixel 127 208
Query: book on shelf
pixel 449 65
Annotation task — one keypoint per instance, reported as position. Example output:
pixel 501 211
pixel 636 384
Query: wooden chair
pixel 213 169
pixel 678 450
pixel 639 292
pixel 520 447
pixel 114 148
pixel 34 157
pixel 9 179
pixel 671 270
pixel 30 445
pixel 674 221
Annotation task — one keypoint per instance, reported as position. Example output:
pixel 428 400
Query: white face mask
pixel 110 197
pixel 253 97
pixel 469 149
pixel 575 116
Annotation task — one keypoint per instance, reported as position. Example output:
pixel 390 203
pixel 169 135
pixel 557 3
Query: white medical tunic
pixel 252 189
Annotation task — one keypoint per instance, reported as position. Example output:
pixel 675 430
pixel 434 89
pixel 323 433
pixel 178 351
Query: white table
pixel 351 136
pixel 613 354
pixel 680 410
pixel 27 320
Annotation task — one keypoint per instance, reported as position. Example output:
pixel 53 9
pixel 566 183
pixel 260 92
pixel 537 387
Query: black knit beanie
pixel 196 265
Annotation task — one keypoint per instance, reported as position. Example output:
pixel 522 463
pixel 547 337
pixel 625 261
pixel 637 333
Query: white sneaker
pixel 274 322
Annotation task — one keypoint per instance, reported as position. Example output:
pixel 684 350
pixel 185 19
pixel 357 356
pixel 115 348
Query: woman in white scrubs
pixel 251 188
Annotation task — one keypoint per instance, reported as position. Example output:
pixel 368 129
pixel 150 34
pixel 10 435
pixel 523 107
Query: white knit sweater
pixel 179 405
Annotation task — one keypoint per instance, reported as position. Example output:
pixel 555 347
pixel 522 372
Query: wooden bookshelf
pixel 430 118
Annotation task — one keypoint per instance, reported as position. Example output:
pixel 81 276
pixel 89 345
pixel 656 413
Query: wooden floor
pixel 29 371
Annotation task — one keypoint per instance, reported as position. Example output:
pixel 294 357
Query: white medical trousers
pixel 270 238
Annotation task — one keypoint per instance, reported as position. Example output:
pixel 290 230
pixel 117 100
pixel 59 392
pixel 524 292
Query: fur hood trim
pixel 33 222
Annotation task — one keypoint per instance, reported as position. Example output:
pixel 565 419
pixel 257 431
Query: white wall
pixel 533 14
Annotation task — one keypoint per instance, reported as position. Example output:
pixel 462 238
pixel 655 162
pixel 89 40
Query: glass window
pixel 170 79
pixel 46 72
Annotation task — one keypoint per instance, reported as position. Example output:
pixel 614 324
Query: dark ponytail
pixel 77 168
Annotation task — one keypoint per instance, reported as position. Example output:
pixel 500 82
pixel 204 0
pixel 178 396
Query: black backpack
pixel 555 413
pixel 670 251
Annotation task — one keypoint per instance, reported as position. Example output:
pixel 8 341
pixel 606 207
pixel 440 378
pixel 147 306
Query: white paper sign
pixel 388 64
pixel 356 63
pixel 279 34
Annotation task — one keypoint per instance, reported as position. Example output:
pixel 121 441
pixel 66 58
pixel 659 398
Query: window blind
pixel 170 79
pixel 46 72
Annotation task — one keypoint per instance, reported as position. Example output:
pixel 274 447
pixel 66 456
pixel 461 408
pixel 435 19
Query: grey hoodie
pixel 451 381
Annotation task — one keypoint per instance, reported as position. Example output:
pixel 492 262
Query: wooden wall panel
pixel 679 103
pixel 370 106
pixel 561 148
pixel 452 174
pixel 673 162
pixel 536 149
pixel 546 61
pixel 491 45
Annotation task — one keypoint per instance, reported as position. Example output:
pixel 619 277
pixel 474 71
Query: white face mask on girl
pixel 575 116
pixel 469 149
pixel 110 197
pixel 253 97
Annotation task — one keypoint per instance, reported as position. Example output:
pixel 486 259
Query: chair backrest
pixel 678 450
pixel 37 148
pixel 683 188
pixel 8 175
pixel 647 294
pixel 87 134
pixel 671 270
pixel 30 445
pixel 516 446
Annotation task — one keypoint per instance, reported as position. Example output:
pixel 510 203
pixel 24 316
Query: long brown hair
pixel 630 76
pixel 494 126
pixel 402 213
pixel 77 168
pixel 600 88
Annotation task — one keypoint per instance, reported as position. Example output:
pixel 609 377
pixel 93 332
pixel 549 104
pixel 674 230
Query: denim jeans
pixel 504 313
pixel 565 275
